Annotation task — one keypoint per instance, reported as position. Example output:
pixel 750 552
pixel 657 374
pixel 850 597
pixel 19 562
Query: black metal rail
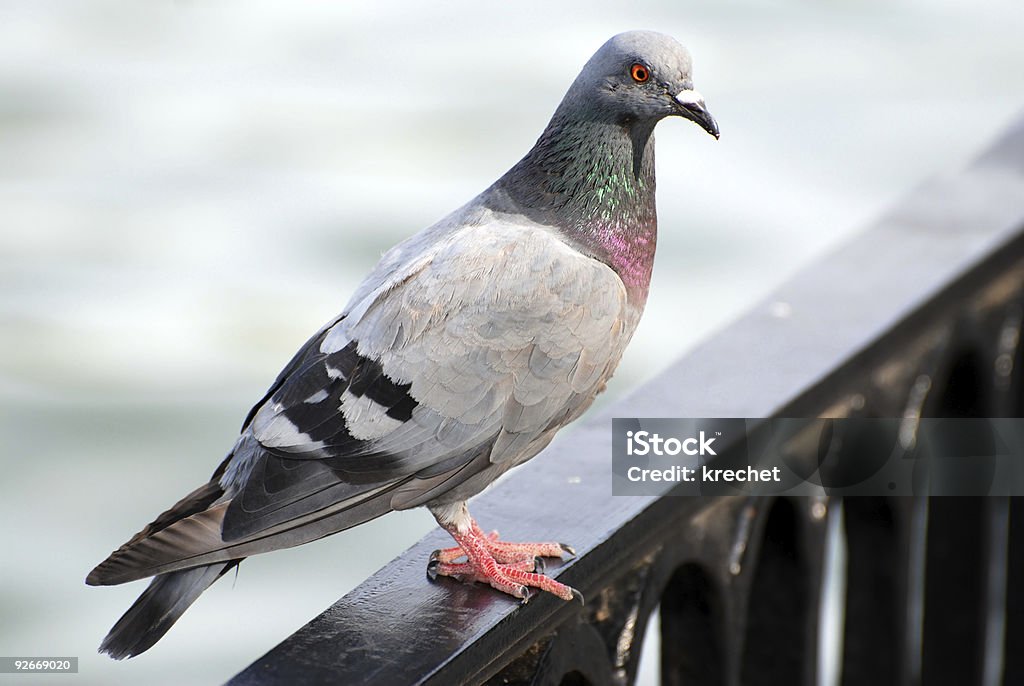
pixel 920 315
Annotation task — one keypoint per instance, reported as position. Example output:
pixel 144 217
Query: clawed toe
pixel 513 568
pixel 521 579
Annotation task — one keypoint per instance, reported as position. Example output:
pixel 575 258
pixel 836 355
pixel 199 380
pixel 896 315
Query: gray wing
pixel 459 356
pixel 464 358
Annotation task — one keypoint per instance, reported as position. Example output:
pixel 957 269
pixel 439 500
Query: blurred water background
pixel 189 189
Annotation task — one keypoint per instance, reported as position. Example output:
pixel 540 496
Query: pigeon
pixel 459 357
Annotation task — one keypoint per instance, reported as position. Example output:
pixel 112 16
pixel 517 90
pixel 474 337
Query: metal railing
pixel 920 315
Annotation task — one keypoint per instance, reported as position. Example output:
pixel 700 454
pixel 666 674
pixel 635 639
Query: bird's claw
pixel 517 569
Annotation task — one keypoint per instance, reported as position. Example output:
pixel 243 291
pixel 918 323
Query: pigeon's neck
pixel 594 181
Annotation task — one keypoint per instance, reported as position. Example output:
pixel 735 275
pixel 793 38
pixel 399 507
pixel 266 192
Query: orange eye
pixel 639 73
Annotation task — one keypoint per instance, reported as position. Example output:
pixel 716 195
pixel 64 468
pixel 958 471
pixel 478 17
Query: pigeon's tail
pixel 158 608
pixel 193 524
pixel 171 593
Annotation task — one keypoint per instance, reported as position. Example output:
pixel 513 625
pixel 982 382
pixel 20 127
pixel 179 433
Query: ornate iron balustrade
pixel 920 315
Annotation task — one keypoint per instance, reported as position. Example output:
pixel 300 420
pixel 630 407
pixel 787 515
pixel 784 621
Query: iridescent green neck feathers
pixel 594 182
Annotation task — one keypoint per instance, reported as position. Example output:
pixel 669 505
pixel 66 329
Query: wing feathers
pixel 454 366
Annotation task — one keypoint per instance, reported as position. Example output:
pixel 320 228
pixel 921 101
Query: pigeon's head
pixel 639 77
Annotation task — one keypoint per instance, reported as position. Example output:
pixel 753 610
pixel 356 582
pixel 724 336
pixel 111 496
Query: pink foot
pixel 512 568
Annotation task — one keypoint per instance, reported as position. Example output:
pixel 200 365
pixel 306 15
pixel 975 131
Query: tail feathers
pixel 158 608
pixel 173 546
pixel 189 524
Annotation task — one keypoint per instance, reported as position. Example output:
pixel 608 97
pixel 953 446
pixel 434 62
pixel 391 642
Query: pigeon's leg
pixel 504 551
pixel 518 570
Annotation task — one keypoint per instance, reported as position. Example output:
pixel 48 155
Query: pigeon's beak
pixel 690 104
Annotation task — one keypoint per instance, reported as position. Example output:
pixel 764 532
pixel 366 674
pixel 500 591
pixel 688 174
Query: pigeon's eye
pixel 639 72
